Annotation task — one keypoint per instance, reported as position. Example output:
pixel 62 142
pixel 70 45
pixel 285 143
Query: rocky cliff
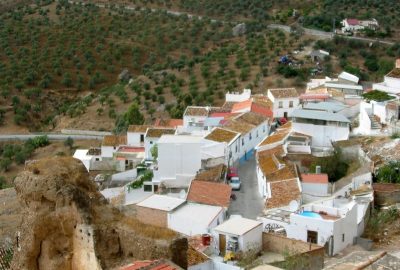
pixel 67 223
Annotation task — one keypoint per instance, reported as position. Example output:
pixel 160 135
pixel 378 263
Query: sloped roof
pixel 172 123
pixel 282 193
pixel 113 140
pixel 314 178
pixel 213 174
pixel 251 118
pixel 325 106
pixel 394 73
pixel 238 226
pixel 209 193
pixel 138 128
pixel 242 105
pixel 158 132
pixel 151 265
pixel 195 257
pixel 221 135
pixel 196 111
pixel 238 126
pixel 348 77
pixel 284 92
pixel 319 115
pixel 352 21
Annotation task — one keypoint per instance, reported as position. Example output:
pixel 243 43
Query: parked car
pixel 235 183
pixel 232 172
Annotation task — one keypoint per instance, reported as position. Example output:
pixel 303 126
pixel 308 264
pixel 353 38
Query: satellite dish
pixel 182 194
pixel 293 206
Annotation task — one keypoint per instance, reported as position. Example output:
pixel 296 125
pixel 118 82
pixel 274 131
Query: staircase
pixel 375 122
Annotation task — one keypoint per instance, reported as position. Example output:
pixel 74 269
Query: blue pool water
pixel 310 214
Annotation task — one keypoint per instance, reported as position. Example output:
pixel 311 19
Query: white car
pixel 235 183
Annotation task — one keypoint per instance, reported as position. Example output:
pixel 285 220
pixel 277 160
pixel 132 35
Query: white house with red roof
pixel 354 25
pixel 315 184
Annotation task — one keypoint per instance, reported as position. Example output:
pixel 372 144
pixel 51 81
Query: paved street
pixel 248 202
pixel 52 136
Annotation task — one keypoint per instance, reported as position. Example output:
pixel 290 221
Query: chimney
pixel 318 169
pixel 398 63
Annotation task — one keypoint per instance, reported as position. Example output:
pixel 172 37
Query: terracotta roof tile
pixel 195 257
pixel 284 92
pixel 314 178
pixel 395 73
pixel 138 128
pixel 221 135
pixel 239 106
pixel 172 123
pixel 251 118
pixel 151 265
pixel 158 132
pixel 113 140
pixel 209 193
pixel 238 126
pixel 282 193
pixel 196 111
pixel 213 174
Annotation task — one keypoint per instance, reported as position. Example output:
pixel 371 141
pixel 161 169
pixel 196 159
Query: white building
pixel 315 184
pixel 252 127
pixel 180 157
pixel 332 223
pixel 238 97
pixel 239 234
pixel 194 117
pixel 88 156
pixel 230 139
pixel 110 145
pixel 391 83
pixel 324 127
pixel 193 218
pixel 285 101
pixel 135 134
pixel 354 25
pixel 151 138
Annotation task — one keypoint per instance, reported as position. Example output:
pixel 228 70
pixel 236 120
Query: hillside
pixel 60 62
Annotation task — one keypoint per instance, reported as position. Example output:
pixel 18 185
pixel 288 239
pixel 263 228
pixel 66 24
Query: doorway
pixel 285 115
pixel 312 236
pixel 222 244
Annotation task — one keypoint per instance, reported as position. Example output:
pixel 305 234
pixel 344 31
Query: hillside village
pixel 237 179
pixel 301 174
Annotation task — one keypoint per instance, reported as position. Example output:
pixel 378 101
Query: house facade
pixel 135 134
pixel 285 101
pixel 230 139
pixel 151 138
pixel 324 127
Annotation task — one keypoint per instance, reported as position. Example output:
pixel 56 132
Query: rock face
pixel 67 223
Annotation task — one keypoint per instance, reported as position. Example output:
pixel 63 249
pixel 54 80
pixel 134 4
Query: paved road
pixel 248 202
pixel 24 137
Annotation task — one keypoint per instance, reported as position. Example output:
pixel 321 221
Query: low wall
pixel 312 254
pixel 84 132
pixel 386 194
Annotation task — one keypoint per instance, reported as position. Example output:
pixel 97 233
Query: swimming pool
pixel 310 214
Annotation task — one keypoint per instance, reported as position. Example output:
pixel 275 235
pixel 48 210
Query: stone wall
pixel 312 255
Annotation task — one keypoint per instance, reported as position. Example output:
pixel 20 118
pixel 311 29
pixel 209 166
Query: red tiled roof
pixel 314 178
pixel 283 192
pixel 242 105
pixel 130 149
pixel 209 193
pixel 168 122
pixel 352 21
pixel 262 110
pixel 221 114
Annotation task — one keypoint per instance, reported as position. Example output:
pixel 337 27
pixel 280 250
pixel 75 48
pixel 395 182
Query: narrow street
pixel 248 202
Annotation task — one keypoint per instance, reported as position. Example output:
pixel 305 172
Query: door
pixel 222 244
pixel 285 115
pixel 312 236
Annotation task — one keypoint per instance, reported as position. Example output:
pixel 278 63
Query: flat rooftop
pixel 161 202
pixel 237 226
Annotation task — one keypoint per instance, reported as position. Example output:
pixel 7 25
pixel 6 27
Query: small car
pixel 235 183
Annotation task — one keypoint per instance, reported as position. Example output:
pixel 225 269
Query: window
pixel 141 138
pixel 97 159
pixel 280 104
pixel 290 104
pixel 250 136
pixel 236 149
pixel 257 134
pixel 115 147
pixel 263 128
pixel 151 142
pixel 242 141
pixel 342 237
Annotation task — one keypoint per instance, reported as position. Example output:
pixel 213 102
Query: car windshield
pixel 235 181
